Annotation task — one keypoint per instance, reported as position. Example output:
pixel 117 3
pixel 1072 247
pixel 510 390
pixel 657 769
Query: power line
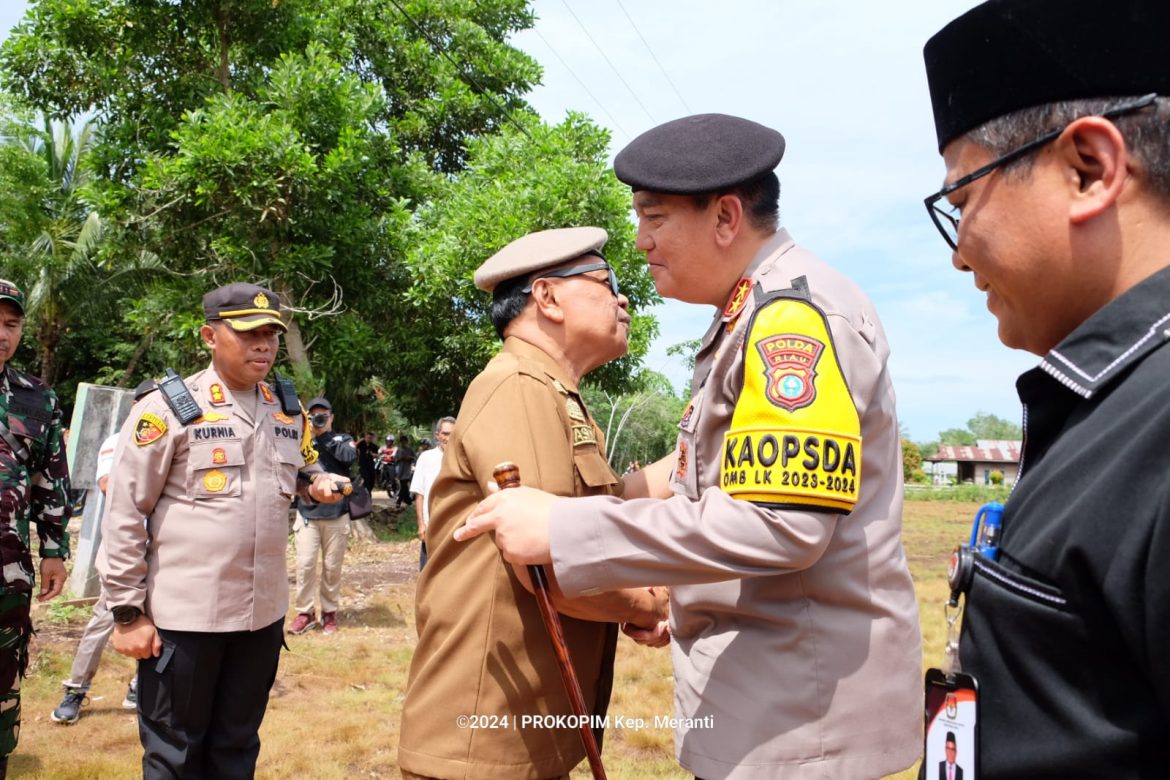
pixel 504 112
pixel 653 57
pixel 582 83
pixel 608 62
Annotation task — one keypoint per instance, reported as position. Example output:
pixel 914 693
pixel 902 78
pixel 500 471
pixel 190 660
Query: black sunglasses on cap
pixel 577 270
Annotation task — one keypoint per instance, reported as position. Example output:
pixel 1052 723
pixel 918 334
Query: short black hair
pixel 951 737
pixel 760 197
pixel 508 300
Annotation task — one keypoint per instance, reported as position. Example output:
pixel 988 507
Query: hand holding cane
pixel 507 475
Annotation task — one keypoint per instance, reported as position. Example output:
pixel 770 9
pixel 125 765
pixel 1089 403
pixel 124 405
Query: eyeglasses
pixel 948 224
pixel 577 270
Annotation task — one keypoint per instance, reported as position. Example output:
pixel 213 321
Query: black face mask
pixel 319 420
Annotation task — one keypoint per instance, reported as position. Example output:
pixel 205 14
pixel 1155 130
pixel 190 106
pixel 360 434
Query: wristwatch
pixel 124 615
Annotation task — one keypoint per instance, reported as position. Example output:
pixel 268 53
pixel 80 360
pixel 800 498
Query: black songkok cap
pixel 1007 55
pixel 697 154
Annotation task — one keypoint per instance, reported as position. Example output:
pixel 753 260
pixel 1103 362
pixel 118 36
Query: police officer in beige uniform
pixel 795 629
pixel 199 593
pixel 483 657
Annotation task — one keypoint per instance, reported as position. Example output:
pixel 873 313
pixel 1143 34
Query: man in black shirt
pixel 1057 200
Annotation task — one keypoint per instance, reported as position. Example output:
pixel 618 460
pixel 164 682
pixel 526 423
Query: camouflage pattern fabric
pixel 33 488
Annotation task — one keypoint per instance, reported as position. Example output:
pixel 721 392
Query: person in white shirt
pixel 426 469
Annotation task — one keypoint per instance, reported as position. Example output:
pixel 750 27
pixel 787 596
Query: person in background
pixel 425 473
pixel 322 530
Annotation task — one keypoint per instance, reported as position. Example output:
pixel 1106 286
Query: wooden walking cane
pixel 507 475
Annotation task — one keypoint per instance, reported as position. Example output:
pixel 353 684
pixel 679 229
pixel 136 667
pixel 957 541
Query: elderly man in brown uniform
pixel 199 593
pixel 794 622
pixel 483 658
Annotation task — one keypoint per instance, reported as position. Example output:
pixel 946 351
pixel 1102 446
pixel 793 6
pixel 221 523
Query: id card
pixel 952 726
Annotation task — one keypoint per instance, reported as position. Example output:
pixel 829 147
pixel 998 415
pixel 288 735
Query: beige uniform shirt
pixel 482 653
pixel 215 495
pixel 803 646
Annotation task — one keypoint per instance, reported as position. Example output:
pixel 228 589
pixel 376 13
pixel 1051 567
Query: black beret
pixel 1007 55
pixel 697 154
pixel 243 306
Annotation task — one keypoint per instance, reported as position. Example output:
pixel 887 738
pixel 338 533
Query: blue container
pixel 986 529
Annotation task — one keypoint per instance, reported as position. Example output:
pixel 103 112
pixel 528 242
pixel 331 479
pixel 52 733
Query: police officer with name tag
pixel 199 593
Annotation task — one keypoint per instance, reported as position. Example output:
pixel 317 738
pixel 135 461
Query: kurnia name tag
pixel 795 437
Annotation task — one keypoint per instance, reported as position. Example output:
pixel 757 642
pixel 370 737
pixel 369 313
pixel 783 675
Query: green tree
pixel 957 436
pixel 912 462
pixel 287 143
pixel 988 426
pixel 641 425
pixel 516 182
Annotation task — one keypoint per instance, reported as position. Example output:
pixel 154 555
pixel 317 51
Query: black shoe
pixel 69 710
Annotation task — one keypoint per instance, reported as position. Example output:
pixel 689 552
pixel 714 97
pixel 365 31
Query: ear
pixel 729 219
pixel 1098 164
pixel 545 297
pixel 207 333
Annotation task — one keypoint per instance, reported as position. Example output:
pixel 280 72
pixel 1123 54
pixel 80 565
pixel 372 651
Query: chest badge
pixel 149 428
pixel 216 396
pixel 574 410
pixel 218 456
pixel 282 417
pixel 215 480
pixel 211 417
pixel 790 361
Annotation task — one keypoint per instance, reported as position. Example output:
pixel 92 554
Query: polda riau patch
pixel 790 361
pixel 149 428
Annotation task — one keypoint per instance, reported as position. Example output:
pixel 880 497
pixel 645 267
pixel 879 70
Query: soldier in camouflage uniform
pixel 34 485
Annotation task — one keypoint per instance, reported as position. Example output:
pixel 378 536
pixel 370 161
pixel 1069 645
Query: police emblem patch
pixel 264 391
pixel 216 396
pixel 218 456
pixel 790 361
pixel 261 301
pixel 215 480
pixel 149 428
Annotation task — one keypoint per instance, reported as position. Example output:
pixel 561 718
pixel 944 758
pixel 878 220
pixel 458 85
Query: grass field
pixel 335 706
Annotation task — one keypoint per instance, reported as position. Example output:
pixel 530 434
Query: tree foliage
pixel 531 177
pixel 361 157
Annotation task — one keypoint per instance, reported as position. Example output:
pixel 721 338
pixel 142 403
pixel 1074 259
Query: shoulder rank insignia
pixel 215 480
pixel 680 471
pixel 739 298
pixel 583 434
pixel 574 409
pixel 215 394
pixel 264 391
pixel 149 428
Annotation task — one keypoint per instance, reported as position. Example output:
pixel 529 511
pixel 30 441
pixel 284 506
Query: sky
pixel 843 81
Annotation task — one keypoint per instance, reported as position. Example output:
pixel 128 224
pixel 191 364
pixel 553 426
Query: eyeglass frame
pixel 930 201
pixel 577 270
